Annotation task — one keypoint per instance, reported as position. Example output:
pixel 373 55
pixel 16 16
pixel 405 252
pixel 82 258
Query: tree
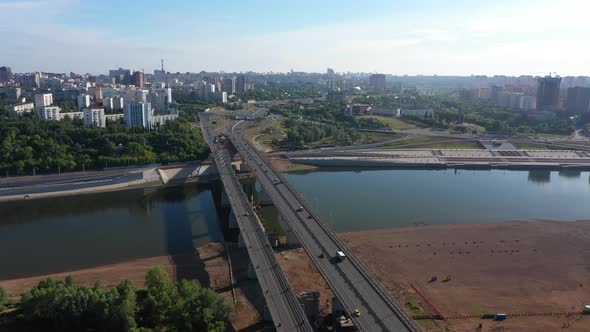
pixel 200 309
pixel 5 301
pixel 161 297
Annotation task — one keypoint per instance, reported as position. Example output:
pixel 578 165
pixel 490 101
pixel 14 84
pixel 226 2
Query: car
pixel 310 217
pixel 299 209
pixel 321 255
pixel 357 313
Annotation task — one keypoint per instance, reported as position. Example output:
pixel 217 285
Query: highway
pixel 282 303
pixel 350 281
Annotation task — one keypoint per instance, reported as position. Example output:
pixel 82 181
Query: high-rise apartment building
pixel 5 74
pixel 229 85
pixel 548 93
pixel 138 114
pixel 240 84
pixel 578 100
pixel 138 79
pixel 94 116
pixel 96 92
pixel 43 99
pixel 83 101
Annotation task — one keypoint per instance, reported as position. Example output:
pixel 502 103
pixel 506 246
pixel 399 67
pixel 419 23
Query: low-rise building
pixel 160 120
pixel 20 109
pixel 49 113
pixel 71 115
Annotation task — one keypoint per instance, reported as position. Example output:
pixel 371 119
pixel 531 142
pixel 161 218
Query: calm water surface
pixel 62 234
pixel 67 233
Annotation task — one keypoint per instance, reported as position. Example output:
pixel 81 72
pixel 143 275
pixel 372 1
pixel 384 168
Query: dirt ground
pixel 510 267
pixel 284 165
pixel 304 277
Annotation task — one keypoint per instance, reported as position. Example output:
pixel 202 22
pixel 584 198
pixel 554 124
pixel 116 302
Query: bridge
pixel 283 305
pixel 351 282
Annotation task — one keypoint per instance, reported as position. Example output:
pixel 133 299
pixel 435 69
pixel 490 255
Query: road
pixel 350 281
pixel 282 303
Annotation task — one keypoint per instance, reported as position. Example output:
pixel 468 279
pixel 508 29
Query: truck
pixel 340 256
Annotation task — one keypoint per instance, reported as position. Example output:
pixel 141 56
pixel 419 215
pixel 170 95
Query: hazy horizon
pixel 457 38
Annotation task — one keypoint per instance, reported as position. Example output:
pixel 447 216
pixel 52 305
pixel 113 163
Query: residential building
pixel 5 74
pixel 20 109
pixel 43 99
pixel 29 80
pixel 578 100
pixel 49 113
pixel 94 116
pixel 118 103
pixel 96 92
pixel 71 115
pixel 240 84
pixel 207 91
pixel 51 83
pixel 528 103
pixel 160 120
pixel 377 81
pixel 138 114
pixel 229 85
pixel 330 72
pixel 83 101
pixel 138 79
pixel 114 117
pixel 548 93
pixel 11 93
pixel 107 103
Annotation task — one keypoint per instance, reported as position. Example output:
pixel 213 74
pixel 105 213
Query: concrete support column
pixel 290 237
pixel 233 221
pixel 224 200
pixel 241 243
pixel 249 188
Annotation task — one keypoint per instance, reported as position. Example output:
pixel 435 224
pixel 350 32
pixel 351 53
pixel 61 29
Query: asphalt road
pixel 352 284
pixel 282 303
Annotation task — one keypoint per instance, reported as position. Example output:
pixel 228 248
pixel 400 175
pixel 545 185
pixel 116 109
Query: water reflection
pixel 66 233
pixel 568 173
pixel 540 176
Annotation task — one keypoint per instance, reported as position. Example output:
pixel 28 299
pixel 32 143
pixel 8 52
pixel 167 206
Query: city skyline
pixel 425 38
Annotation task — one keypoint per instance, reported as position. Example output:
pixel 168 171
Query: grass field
pixel 432 142
pixel 393 123
pixel 530 146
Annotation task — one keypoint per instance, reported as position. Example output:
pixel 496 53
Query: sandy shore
pixel 511 267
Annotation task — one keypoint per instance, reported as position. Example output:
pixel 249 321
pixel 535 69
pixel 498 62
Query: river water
pixel 63 234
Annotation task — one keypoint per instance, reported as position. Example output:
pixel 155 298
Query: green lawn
pixel 432 142
pixel 393 123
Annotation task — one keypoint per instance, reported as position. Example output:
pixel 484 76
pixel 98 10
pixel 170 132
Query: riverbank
pixel 506 267
pixel 71 184
pixel 509 267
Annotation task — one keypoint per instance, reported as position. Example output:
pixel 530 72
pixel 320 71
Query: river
pixel 67 233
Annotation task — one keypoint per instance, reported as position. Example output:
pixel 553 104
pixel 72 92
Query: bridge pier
pixel 290 237
pixel 224 200
pixel 233 221
pixel 249 189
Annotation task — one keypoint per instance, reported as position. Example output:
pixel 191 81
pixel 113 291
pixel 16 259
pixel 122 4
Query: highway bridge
pixel 283 305
pixel 350 281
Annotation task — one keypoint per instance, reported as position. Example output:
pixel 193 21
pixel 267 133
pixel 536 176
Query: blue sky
pixel 453 37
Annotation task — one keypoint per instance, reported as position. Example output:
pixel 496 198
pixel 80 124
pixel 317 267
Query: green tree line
pixel 28 143
pixel 62 305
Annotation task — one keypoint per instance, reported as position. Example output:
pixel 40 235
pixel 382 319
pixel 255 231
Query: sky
pixel 420 37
